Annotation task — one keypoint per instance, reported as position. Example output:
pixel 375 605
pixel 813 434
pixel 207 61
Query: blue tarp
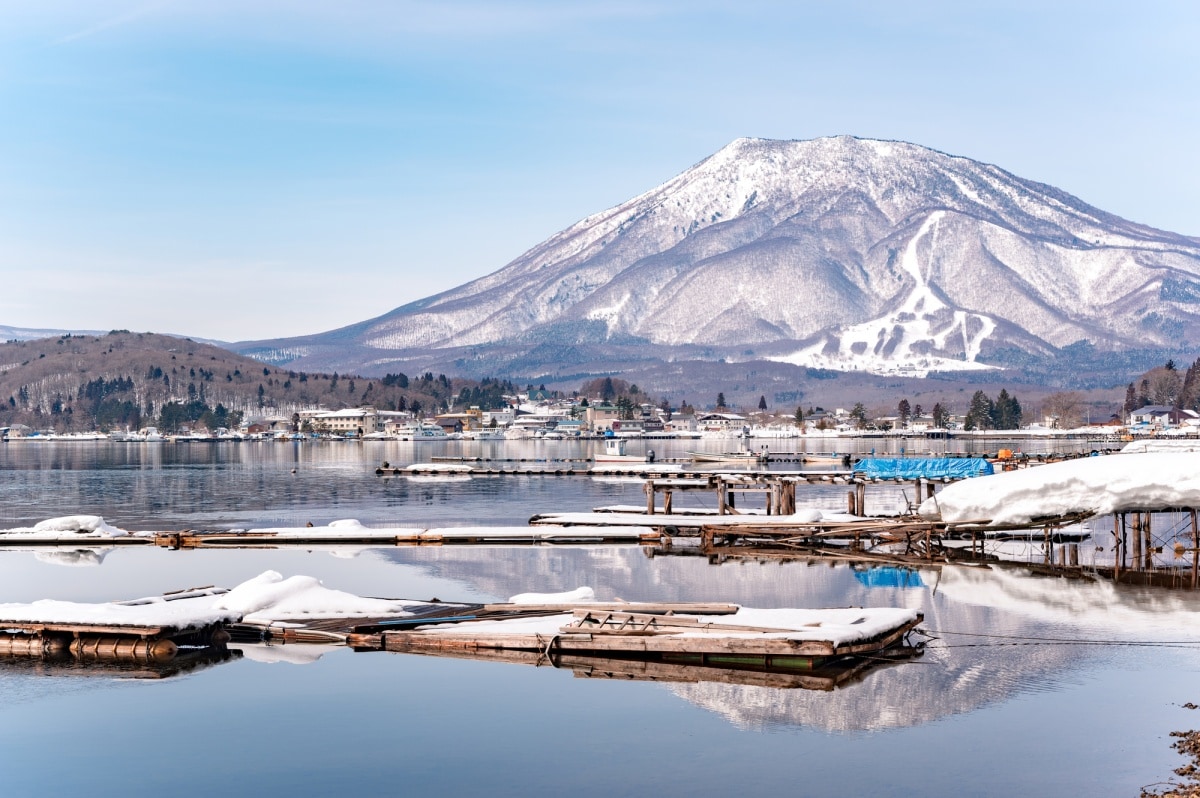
pixel 928 467
pixel 889 576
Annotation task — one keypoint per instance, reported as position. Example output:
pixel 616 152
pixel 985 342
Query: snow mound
pixel 443 468
pixel 269 597
pixel 1160 445
pixel 1101 485
pixel 83 525
pixel 580 595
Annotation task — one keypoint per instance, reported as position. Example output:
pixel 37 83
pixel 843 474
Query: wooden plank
pixel 72 541
pixel 656 608
pixel 628 644
pixel 669 624
pixel 105 629
pixel 640 644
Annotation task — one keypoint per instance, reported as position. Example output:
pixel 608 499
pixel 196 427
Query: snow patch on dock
pixel 89 526
pixel 1099 485
pixel 269 596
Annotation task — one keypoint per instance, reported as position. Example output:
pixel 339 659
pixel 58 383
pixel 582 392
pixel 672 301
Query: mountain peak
pixel 840 252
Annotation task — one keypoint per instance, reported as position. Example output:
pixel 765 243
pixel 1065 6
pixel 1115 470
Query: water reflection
pixel 63 665
pixel 996 633
pixel 73 558
pixel 985 680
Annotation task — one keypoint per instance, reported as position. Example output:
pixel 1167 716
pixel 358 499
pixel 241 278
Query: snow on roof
pixel 353 412
pixel 1145 482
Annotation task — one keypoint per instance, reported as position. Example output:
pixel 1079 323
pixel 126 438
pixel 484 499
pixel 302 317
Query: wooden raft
pixel 622 632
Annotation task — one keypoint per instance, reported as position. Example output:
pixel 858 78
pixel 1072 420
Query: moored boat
pixel 614 452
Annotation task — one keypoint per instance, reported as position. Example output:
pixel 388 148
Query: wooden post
pixel 1149 546
pixel 1116 547
pixel 1195 550
pixel 1073 554
pixel 1137 541
pixel 722 491
pixel 667 496
pixel 649 488
pixel 1125 538
pixel 850 503
pixel 860 491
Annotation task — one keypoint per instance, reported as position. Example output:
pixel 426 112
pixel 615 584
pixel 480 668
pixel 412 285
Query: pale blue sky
pixel 247 169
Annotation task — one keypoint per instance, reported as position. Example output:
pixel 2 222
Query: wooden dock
pixel 632 631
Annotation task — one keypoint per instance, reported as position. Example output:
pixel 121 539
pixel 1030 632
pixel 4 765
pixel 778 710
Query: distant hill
pixel 30 333
pixel 838 253
pixel 124 379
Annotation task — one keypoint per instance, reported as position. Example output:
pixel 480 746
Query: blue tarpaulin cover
pixel 928 467
pixel 889 576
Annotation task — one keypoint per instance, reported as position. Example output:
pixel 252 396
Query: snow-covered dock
pixel 1089 486
pixel 80 533
pixel 270 608
pixel 352 532
pixel 768 634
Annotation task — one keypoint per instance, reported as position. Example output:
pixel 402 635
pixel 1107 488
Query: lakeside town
pixel 538 414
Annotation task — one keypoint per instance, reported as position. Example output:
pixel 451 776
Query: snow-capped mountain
pixel 841 253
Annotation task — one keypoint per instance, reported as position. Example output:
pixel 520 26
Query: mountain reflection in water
pixel 999 681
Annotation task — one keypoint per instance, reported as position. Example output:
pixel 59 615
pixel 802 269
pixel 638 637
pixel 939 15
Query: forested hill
pixel 124 379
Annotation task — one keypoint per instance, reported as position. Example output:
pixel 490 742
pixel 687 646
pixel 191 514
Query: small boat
pixel 614 452
pixel 420 431
pixel 728 457
pixel 825 460
pixel 484 434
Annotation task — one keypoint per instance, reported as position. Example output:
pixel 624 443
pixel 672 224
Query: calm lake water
pixel 1033 686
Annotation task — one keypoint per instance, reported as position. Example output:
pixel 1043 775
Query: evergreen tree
pixel 858 414
pixel 1188 392
pixel 940 416
pixel 1006 412
pixel 904 410
pixel 1131 400
pixel 762 402
pixel 979 415
pixel 799 417
pixel 720 401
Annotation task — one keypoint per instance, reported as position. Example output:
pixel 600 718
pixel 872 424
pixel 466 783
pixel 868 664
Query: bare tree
pixel 1065 408
pixel 1164 386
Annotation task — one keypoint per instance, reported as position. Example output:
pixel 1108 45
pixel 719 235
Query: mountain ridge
pixel 841 253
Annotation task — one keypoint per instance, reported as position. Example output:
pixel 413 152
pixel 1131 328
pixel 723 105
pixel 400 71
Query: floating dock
pixel 815 649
